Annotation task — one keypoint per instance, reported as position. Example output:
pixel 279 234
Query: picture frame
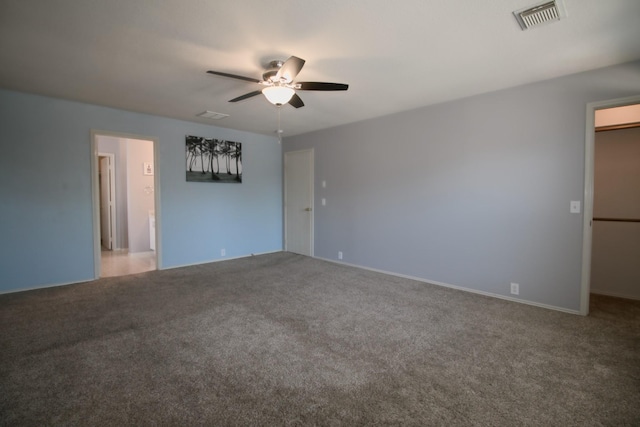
pixel 213 160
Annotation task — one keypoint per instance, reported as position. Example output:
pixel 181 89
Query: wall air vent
pixel 540 14
pixel 212 115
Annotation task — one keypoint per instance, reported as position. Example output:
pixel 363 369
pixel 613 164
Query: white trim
pixel 54 285
pixel 312 181
pixel 157 212
pixel 95 204
pixel 95 194
pixel 311 193
pixel 221 259
pixel 589 145
pixel 456 287
pixel 90 279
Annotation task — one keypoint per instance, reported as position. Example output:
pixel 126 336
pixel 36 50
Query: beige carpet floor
pixel 282 339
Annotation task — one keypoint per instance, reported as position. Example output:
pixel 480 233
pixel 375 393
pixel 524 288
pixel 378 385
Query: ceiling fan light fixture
pixel 278 95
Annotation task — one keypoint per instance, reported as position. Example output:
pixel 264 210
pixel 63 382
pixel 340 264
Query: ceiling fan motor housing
pixel 272 70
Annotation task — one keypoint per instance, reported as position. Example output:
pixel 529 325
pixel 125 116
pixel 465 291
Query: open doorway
pixel 125 197
pixel 612 251
pixel 615 251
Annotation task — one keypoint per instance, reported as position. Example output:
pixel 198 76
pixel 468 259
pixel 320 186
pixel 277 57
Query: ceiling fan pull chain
pixel 279 126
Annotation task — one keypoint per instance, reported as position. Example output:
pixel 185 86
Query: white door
pixel 106 203
pixel 298 201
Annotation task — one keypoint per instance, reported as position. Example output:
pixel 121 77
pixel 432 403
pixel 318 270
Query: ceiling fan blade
pixel 290 69
pixel 296 101
pixel 246 95
pixel 234 76
pixel 322 86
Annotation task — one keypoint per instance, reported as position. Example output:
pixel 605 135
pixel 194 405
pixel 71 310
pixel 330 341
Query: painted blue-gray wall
pixel 472 193
pixel 46 219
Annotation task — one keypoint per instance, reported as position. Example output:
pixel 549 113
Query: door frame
pixel 589 158
pixel 95 195
pixel 311 197
pixel 112 195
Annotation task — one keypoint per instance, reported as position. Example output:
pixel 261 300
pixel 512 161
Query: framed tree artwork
pixel 213 160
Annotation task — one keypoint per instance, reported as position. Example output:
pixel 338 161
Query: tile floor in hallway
pixel 121 263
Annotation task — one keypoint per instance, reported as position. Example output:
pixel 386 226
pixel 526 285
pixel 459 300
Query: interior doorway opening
pixel 615 251
pixel 588 220
pixel 125 196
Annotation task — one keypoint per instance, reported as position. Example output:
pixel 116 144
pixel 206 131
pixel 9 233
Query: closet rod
pixel 617 219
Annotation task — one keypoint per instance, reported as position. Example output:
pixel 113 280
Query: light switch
pixel 574 207
pixel 324 184
pixel 324 202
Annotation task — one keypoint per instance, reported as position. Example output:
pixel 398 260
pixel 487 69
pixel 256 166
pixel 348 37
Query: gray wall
pixel 46 217
pixel 615 262
pixel 472 193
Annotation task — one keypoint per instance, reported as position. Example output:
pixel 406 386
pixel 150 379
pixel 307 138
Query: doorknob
pixel 308 209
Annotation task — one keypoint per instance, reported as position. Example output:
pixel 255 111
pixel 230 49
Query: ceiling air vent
pixel 540 14
pixel 212 115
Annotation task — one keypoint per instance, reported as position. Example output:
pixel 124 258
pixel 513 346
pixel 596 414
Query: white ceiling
pixel 152 56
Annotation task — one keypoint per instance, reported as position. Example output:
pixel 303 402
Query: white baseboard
pixel 220 259
pixel 459 288
pixel 92 279
pixel 53 285
pixel 390 273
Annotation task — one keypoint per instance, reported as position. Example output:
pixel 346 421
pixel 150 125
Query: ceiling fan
pixel 279 87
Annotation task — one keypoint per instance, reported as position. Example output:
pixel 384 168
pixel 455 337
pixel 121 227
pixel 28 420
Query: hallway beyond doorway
pixel 120 263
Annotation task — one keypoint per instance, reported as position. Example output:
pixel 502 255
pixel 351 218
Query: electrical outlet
pixel 515 289
pixel 223 252
pixel 574 206
pixel 339 255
